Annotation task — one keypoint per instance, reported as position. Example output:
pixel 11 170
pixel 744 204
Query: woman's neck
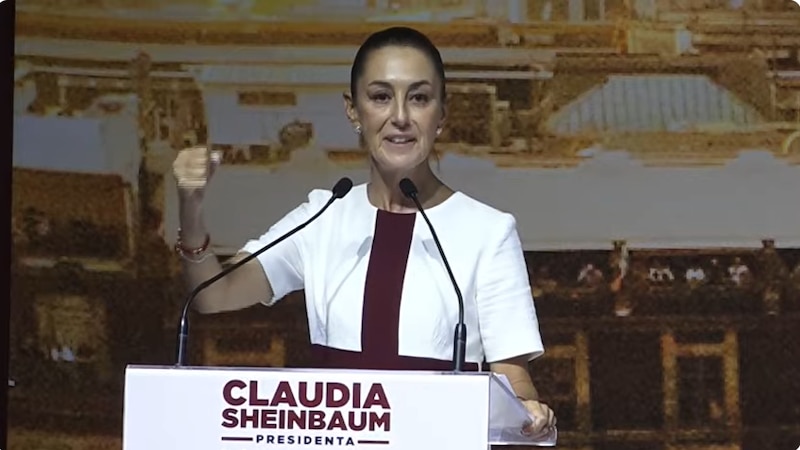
pixel 384 190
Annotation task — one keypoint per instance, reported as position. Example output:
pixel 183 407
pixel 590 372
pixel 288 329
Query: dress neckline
pixel 441 205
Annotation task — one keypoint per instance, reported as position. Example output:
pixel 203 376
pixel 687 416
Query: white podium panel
pixel 203 408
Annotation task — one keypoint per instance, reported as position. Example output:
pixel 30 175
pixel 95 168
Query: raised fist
pixel 194 166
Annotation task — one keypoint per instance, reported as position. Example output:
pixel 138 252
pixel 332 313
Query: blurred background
pixel 649 149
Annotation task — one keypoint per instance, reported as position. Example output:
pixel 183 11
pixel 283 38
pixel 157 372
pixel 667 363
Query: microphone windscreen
pixel 408 188
pixel 342 187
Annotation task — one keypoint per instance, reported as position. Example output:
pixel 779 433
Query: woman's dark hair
pixel 396 36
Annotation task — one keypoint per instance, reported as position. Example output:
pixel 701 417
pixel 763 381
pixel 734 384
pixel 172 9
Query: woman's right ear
pixel 350 108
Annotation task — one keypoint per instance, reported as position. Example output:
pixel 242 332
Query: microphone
pixel 460 344
pixel 340 189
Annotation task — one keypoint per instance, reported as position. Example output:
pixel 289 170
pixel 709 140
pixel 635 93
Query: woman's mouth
pixel 400 142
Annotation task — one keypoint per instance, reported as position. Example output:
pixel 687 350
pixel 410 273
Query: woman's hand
pixel 193 168
pixel 516 371
pixel 544 419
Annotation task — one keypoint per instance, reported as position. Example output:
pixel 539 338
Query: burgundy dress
pixel 381 313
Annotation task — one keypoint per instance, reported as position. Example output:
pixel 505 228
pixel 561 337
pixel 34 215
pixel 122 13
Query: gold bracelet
pixel 195 260
pixel 180 248
pixel 193 255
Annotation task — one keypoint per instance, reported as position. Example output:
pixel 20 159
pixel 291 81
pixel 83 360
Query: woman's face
pixel 397 107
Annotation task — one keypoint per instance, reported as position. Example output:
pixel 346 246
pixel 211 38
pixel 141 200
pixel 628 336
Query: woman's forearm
pixel 516 370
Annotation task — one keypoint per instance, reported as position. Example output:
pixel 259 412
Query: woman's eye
pixel 419 98
pixel 380 97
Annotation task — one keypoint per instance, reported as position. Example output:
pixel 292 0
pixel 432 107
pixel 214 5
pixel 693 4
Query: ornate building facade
pixel 648 148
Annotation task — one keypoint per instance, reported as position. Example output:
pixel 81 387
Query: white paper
pixel 508 419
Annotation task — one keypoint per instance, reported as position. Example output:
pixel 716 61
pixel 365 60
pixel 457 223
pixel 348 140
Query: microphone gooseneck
pixel 460 342
pixel 340 189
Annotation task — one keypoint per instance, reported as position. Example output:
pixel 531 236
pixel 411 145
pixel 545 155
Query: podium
pixel 237 408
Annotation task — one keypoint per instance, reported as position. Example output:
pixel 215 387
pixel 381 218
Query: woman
pixel 371 249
